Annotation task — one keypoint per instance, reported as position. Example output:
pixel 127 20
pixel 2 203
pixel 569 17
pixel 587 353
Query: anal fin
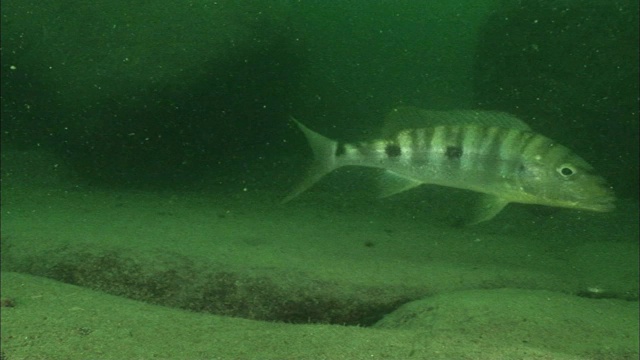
pixel 390 183
pixel 486 207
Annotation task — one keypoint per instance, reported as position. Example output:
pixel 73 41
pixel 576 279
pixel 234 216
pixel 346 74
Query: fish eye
pixel 566 170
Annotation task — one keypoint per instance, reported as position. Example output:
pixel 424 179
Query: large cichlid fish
pixel 492 153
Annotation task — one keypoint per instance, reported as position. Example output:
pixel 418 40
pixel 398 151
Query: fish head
pixel 563 179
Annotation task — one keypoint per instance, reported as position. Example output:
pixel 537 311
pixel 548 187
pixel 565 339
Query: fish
pixel 492 153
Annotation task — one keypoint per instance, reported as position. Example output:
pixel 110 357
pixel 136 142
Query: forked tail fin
pixel 324 160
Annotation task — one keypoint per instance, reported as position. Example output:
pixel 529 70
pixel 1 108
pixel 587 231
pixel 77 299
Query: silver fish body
pixel 506 164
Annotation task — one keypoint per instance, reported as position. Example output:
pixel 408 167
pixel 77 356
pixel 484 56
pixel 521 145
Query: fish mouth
pixel 602 207
pixel 603 203
pixel 598 197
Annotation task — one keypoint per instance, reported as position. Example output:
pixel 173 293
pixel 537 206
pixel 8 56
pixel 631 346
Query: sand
pixel 229 273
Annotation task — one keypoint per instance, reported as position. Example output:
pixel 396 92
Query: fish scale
pixel 505 162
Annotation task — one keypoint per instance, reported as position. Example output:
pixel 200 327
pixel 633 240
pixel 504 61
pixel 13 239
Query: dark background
pixel 137 94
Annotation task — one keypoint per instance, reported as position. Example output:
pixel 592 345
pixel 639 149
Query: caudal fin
pixel 324 156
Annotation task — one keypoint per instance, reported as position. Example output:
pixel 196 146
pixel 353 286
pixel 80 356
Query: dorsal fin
pixel 410 117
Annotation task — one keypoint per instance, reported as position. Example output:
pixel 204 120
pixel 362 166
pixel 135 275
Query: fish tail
pixel 324 160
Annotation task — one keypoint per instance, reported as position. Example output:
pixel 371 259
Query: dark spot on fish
pixel 392 150
pixel 522 168
pixel 340 150
pixel 453 152
pixel 369 243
